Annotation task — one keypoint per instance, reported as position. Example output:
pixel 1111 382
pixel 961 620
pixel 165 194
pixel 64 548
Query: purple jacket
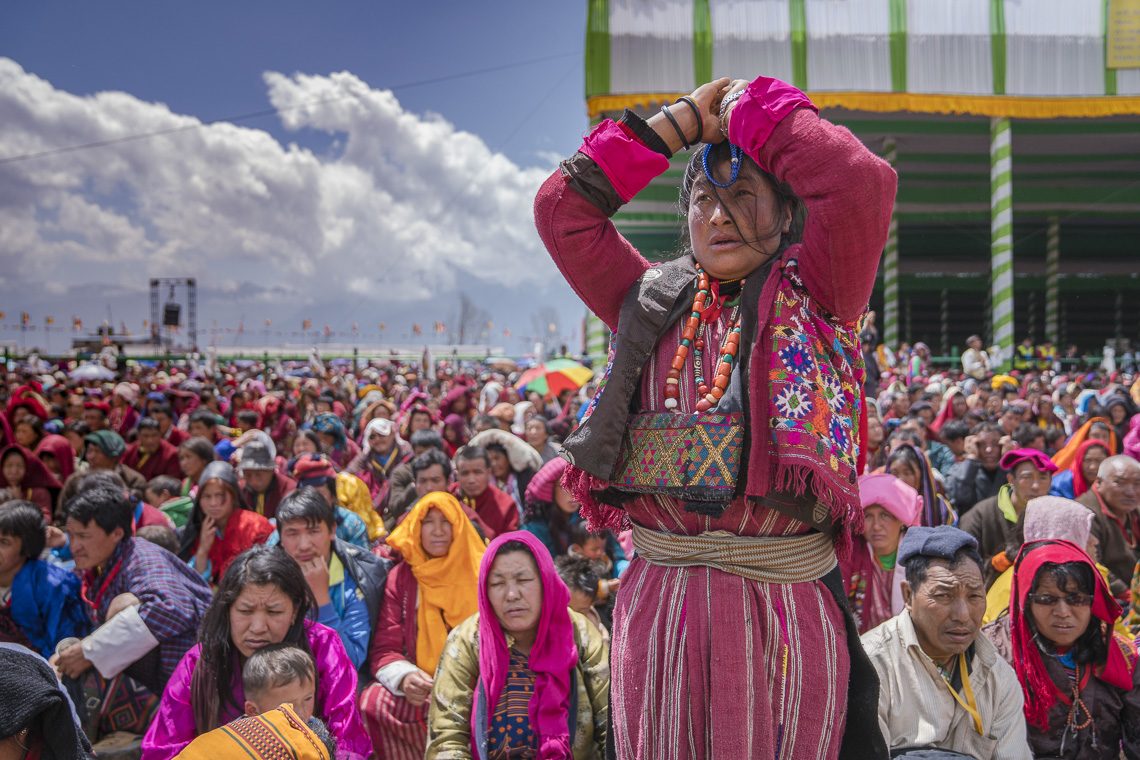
pixel 173 726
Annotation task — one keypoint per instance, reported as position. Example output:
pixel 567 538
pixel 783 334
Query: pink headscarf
pixel 893 495
pixel 552 657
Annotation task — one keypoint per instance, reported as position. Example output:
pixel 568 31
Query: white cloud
pixel 406 208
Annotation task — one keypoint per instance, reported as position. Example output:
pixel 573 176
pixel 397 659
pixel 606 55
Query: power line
pixel 272 111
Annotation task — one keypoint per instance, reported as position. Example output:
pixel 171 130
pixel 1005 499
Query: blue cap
pixel 942 542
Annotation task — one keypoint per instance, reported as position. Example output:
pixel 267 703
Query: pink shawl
pixel 553 656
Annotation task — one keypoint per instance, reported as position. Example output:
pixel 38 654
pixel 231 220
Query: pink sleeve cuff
pixel 628 164
pixel 763 105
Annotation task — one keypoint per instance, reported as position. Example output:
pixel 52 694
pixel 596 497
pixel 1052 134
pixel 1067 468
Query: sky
pixel 350 163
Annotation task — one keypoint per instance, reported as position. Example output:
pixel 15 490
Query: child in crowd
pixel 579 575
pixel 159 535
pixel 40 603
pixel 276 675
pixel 595 548
pixel 165 493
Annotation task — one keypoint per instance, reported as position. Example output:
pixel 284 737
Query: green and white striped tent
pixel 1016 143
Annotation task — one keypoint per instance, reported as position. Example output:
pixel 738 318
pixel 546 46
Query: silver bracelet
pixel 724 104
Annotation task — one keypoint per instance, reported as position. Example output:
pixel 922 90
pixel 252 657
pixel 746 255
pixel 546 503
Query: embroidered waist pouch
pixel 766 559
pixel 692 457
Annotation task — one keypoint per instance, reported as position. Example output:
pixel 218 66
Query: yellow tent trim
pixel 1012 106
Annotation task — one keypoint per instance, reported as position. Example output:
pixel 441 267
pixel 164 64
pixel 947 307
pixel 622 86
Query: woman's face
pixel 77 443
pixel 1117 414
pixel 882 530
pixel 734 230
pixel 500 465
pixel 958 404
pixel 419 421
pixel 874 432
pixel 993 404
pixel 191 465
pixel 217 501
pixel 1100 432
pixel 536 433
pixel 25 435
pixel 1062 623
pixel 261 615
pixel 435 534
pixel 907 473
pixel 1090 465
pixel 14 468
pixel 515 593
pixel 565 501
pixel 51 463
pixel 303 445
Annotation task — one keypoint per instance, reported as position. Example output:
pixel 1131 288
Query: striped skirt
pixel 397 729
pixel 706 664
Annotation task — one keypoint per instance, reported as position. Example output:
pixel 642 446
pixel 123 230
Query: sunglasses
pixel 1075 599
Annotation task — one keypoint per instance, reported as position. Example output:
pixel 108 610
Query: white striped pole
pixel 597 339
pixel 1052 279
pixel 1001 237
pixel 891 265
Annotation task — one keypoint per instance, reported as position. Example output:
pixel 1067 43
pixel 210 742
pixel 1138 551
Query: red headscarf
pixel 553 655
pixel 59 448
pixel 26 396
pixel 36 473
pixel 1080 485
pixel 1040 691
pixel 1065 456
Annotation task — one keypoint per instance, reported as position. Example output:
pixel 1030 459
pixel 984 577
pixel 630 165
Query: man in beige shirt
pixel 942 686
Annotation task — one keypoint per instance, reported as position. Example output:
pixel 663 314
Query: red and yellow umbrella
pixel 555 376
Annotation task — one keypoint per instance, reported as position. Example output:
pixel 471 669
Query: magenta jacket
pixel 173 726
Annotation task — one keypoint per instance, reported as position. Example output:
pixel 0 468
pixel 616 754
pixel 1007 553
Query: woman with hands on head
pixel 749 342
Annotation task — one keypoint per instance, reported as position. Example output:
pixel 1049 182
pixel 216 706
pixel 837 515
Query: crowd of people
pixel 194 552
pixel 787 548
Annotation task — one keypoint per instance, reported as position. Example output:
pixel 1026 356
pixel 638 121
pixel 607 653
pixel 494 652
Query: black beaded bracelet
pixel 696 114
pixel 680 132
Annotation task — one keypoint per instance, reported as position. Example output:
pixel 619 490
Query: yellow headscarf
pixel 352 494
pixel 449 586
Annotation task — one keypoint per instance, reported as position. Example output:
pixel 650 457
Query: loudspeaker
pixel 171 314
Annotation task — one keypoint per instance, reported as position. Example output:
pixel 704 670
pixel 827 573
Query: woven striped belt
pixel 767 559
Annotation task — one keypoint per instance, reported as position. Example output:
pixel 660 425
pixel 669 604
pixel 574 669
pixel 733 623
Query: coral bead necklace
pixel 705 304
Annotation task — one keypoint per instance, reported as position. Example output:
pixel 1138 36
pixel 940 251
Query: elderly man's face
pixel 1120 487
pixel 947 608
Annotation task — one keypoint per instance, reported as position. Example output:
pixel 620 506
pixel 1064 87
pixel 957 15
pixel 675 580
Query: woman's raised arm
pixel 848 190
pixel 616 161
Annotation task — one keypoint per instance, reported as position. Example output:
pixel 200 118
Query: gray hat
pixel 942 542
pixel 255 455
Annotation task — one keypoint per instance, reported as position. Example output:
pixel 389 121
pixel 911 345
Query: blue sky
pixel 114 219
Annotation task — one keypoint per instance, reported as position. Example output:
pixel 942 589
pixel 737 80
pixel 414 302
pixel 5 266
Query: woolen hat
pixel 942 542
pixel 108 441
pixel 255 455
pixel 890 493
pixel 1013 458
pixel 313 470
pixel 1057 518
